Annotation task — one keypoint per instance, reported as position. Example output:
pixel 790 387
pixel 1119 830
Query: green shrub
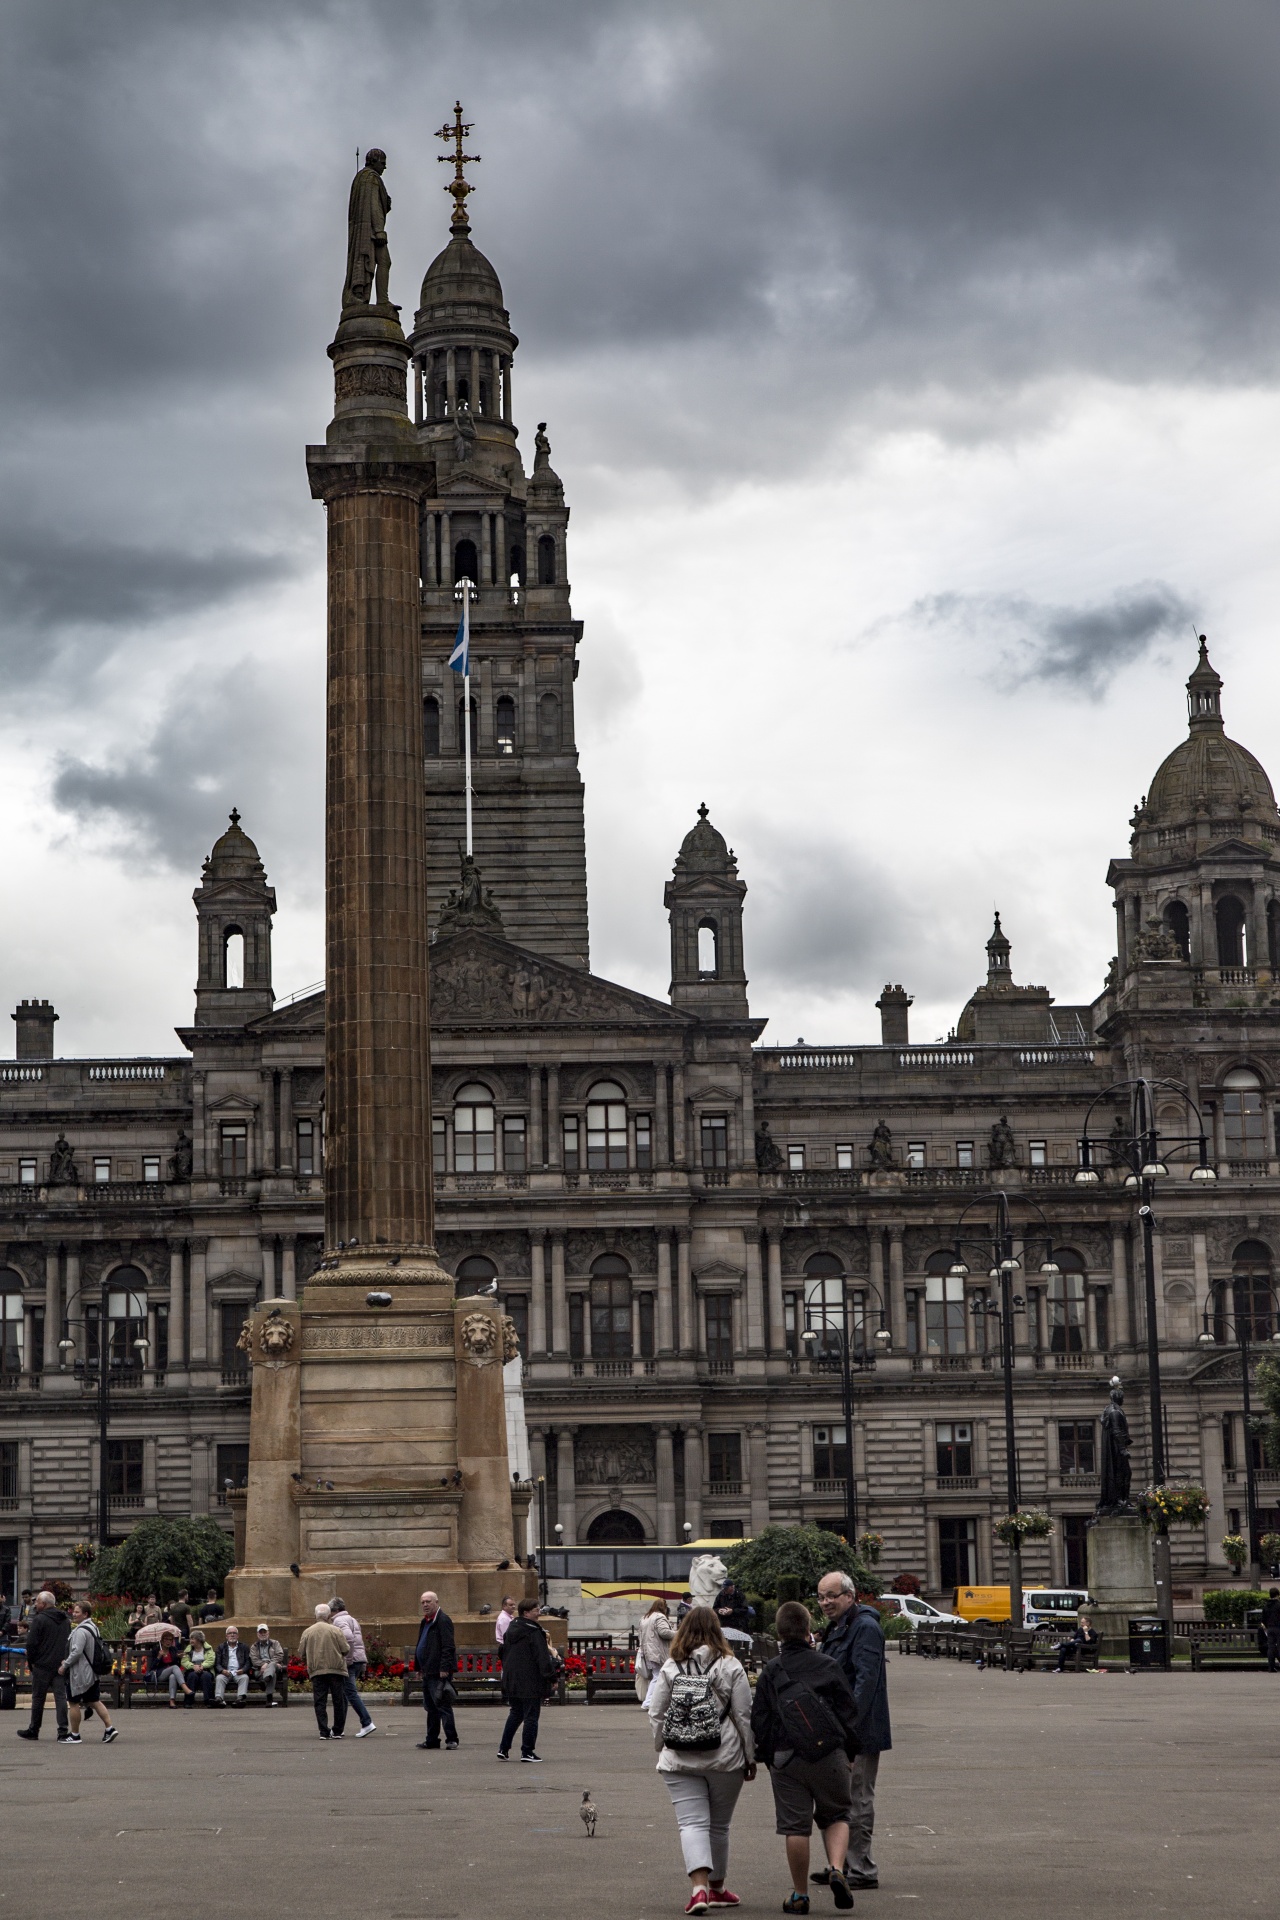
pixel 164 1556
pixel 805 1553
pixel 790 1587
pixel 896 1626
pixel 1227 1606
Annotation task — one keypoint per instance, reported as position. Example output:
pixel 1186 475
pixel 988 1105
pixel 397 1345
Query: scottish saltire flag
pixel 460 658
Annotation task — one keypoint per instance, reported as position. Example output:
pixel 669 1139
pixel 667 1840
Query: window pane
pixel 569 1128
pixel 964 1153
pixel 513 1154
pixel 439 1146
pixel 715 1140
pixel 915 1153
pixel 644 1142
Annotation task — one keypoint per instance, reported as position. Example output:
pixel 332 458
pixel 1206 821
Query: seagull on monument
pixel 587 1814
pixel 491 1290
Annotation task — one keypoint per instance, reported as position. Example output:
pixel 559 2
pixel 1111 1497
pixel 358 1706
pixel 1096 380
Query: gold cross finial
pixel 459 186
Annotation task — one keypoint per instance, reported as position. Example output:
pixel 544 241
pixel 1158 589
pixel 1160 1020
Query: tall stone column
pixel 566 1486
pixel 666 1330
pixel 559 1300
pixel 177 1313
pixel 693 1480
pixel 199 1348
pixel 758 1467
pixel 537 1295
pixel 52 1315
pixel 777 1313
pixel 664 1457
pixel 689 1341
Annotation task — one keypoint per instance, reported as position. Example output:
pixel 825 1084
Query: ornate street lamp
pixel 1247 1326
pixel 827 1328
pixel 1147 1155
pixel 67 1347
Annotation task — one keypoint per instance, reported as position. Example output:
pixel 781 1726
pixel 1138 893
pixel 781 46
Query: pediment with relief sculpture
pixel 479 980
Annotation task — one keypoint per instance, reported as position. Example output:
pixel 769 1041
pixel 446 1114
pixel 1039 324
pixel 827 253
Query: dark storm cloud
pixel 1079 647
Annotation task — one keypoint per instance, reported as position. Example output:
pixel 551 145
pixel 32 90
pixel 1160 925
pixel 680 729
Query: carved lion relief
pixel 480 1339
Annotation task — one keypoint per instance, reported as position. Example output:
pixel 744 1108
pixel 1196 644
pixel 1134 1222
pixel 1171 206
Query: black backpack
pixel 809 1727
pixel 99 1654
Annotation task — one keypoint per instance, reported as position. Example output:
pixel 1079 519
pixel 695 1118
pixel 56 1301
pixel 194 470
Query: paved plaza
pixel 1005 1796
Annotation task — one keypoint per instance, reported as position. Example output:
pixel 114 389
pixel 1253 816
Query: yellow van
pixel 1041 1606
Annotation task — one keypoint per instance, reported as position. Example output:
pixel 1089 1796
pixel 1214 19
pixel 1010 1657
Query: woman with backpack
pixel 87 1659
pixel 700 1711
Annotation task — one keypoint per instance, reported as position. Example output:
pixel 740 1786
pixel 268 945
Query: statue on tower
pixel 368 256
pixel 541 449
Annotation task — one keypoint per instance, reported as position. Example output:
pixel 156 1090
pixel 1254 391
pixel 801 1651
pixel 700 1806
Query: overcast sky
pixel 913 369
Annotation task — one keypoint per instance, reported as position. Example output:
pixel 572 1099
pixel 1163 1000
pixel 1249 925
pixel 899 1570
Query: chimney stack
pixel 893 1004
pixel 35 1020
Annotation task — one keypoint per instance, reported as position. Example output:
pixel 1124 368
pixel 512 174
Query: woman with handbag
pixel 700 1711
pixel 656 1630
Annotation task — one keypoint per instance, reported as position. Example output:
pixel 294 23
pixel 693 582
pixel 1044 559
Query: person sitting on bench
pixel 1085 1636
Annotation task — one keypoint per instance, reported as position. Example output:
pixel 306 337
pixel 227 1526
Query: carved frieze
pixel 329 1338
pixel 474 980
pixel 609 1456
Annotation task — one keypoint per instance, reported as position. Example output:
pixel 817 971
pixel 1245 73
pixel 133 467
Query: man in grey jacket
pixel 82 1681
pixel 47 1638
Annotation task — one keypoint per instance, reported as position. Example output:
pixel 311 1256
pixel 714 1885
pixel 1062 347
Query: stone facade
pixel 662 1198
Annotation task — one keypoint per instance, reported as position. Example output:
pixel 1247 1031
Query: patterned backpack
pixel 693 1719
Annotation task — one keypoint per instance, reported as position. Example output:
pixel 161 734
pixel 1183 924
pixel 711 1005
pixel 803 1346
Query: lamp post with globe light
pixel 1248 1315
pixel 106 1359
pixel 833 1345
pixel 1146 1154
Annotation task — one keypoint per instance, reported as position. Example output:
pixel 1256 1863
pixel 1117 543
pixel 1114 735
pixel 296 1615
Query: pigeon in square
pixel 587 1814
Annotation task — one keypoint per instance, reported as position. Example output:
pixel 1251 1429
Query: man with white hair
pixel 323 1651
pixel 47 1640
pixel 231 1662
pixel 855 1640
pixel 435 1658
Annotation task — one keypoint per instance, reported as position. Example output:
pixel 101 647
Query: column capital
pixel 773 1233
pixel 684 1235
pixel 664 1432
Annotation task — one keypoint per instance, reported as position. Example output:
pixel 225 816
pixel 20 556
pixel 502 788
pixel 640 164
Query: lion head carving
pixel 480 1337
pixel 510 1339
pixel 276 1338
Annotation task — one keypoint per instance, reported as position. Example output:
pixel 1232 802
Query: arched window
pixel 546 560
pixel 517 567
pixel 473 1130
pixel 431 727
pixel 823 1302
pixel 463 390
pixel 606 1128
pixel 505 723
pixel 126 1319
pixel 12 1331
pixel 233 957
pixel 943 1305
pixel 1177 923
pixel 548 724
pixel 1253 1301
pixel 475 726
pixel 1066 1303
pixel 1244 1117
pixel 1230 918
pixel 475 1274
pixel 708 950
pixel 615 1528
pixel 466 564
pixel 610 1308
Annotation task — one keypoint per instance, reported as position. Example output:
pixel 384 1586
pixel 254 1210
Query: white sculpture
pixel 706 1577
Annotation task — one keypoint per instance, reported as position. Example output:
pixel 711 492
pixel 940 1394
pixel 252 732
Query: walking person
pixel 529 1671
pixel 855 1640
pixel 46 1649
pixel 231 1663
pixel 656 1632
pixel 700 1711
pixel 80 1667
pixel 436 1658
pixel 357 1660
pixel 323 1651
pixel 805 1724
pixel 268 1665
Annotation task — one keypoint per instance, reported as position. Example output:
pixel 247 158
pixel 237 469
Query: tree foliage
pixel 1268 1379
pixel 163 1556
pixel 803 1553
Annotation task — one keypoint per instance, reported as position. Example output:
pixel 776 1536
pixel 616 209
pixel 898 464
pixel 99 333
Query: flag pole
pixel 466 697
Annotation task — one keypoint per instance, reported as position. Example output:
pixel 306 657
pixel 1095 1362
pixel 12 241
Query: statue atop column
pixel 1113 1492
pixel 368 256
pixel 881 1148
pixel 181 1158
pixel 1002 1149
pixel 62 1164
pixel 768 1156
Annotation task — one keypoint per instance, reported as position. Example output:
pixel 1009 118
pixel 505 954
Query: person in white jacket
pixel 83 1689
pixel 704 1781
pixel 656 1630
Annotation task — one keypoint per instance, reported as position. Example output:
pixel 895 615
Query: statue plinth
pixel 1121 1581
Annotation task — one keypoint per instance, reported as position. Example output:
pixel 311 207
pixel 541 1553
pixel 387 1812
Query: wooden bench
pixel 135 1686
pixel 611 1677
pixel 1223 1640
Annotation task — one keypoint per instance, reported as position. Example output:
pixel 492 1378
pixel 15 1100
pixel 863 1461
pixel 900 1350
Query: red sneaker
pixel 698 1900
pixel 721 1897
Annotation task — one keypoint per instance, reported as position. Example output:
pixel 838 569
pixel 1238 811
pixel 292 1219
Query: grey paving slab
pixel 1005 1796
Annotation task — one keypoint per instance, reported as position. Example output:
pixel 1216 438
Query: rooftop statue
pixel 881 1148
pixel 464 431
pixel 541 449
pixel 768 1157
pixel 368 256
pixel 1002 1149
pixel 62 1163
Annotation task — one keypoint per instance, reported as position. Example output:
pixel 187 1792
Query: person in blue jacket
pixel 435 1657
pixel 855 1639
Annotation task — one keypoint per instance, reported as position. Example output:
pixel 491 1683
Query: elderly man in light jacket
pixel 357 1660
pixel 267 1664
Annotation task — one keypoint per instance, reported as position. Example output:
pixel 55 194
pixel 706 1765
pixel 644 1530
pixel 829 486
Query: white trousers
pixel 704 1804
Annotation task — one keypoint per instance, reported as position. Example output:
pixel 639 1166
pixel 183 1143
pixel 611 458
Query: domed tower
pixel 505 532
pixel 704 897
pixel 234 906
pixel 1196 899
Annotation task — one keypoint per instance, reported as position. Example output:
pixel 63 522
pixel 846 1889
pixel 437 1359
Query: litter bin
pixel 1149 1643
pixel 8 1692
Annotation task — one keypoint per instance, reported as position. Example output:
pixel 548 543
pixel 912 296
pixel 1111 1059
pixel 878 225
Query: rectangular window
pixel 26 1173
pixel 235 1149
pixel 844 1160
pixel 517 1305
pixel 231 1319
pixel 953 1442
pixel 305 1148
pixel 474 1137
pixel 513 1155
pixel 1101 1308
pixel 715 1140
pixel 8 1476
pixel 1038 1153
pixel 1076 1447
pixel 719 1308
pixel 724 1462
pixel 1229 1441
pixel 964 1153
pixel 159 1357
pixel 644 1143
pixel 569 1130
pixel 915 1153
pixel 151 1166
pixel 957 1542
pixel 791 1321
pixel 830 1454
pixel 606 1134
pixel 944 1312
pixel 124 1469
pixel 795 1159
pixel 1075 1540
pixel 439 1147
pixel 1066 1313
pixel 577 1340
pixel 101 1169
pixel 233 1470
pixel 647 1348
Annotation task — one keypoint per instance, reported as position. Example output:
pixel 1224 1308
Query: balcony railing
pixel 1069 1482
pixel 956 1482
pixel 717 1368
pixel 721 1487
pixel 235 1376
pixel 127 1502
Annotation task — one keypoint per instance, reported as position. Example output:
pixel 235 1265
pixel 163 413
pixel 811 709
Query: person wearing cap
pixel 267 1664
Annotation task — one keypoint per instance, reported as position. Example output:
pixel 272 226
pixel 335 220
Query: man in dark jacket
pixel 806 1788
pixel 436 1658
pixel 1271 1627
pixel 855 1640
pixel 529 1670
pixel 47 1638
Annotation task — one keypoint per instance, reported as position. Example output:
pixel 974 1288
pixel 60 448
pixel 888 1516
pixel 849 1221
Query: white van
pixel 917 1611
pixel 1053 1606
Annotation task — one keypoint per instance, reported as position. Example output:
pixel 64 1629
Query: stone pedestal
pixel 1121 1581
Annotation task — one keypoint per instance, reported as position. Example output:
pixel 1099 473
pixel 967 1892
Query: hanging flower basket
pixel 871 1546
pixel 1269 1548
pixel 1174 1506
pixel 1236 1549
pixel 83 1554
pixel 1014 1528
